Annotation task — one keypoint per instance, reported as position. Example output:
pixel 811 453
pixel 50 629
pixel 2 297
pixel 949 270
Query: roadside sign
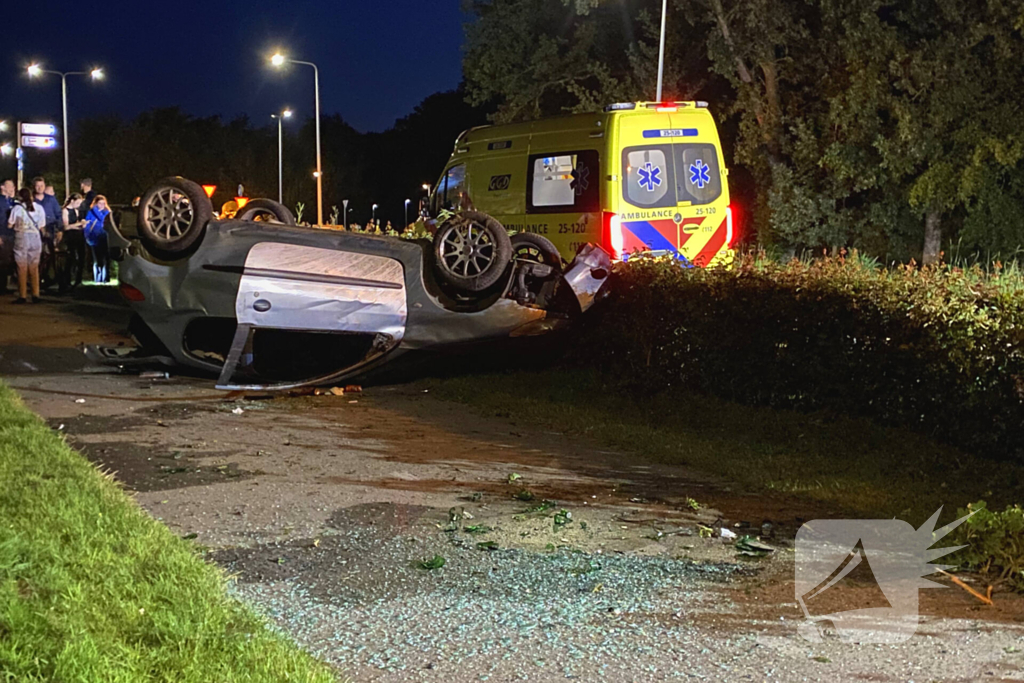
pixel 209 190
pixel 44 129
pixel 38 141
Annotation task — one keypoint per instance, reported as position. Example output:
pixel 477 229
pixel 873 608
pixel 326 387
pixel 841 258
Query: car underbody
pixel 269 306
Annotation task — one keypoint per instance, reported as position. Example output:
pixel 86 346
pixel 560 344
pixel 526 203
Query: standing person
pixel 28 220
pixel 50 206
pixel 7 267
pixel 51 233
pixel 96 238
pixel 86 185
pixel 73 243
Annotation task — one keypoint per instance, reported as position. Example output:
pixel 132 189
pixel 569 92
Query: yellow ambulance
pixel 638 177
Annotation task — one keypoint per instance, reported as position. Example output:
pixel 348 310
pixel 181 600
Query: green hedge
pixel 939 349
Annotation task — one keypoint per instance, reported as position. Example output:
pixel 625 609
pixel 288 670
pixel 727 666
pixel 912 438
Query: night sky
pixel 377 60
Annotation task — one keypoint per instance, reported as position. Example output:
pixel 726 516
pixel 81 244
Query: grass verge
pixel 93 589
pixel 850 463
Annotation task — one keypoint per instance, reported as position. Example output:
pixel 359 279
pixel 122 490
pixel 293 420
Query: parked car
pixel 639 177
pixel 266 304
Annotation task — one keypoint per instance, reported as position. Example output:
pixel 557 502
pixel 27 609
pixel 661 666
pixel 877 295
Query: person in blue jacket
pixel 7 267
pixel 51 207
pixel 96 238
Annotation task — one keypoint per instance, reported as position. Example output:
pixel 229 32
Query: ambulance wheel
pixel 172 218
pixel 527 246
pixel 265 210
pixel 471 251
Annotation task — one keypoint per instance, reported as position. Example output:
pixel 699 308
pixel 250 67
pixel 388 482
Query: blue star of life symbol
pixel 650 176
pixel 580 180
pixel 699 175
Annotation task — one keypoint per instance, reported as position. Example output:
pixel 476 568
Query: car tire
pixel 173 214
pixel 526 246
pixel 471 251
pixel 265 210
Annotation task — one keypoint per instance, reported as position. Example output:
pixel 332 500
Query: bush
pixel 937 349
pixel 995 543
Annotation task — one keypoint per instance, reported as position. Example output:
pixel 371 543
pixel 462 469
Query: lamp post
pixel 407 201
pixel 279 60
pixel 34 71
pixel 373 215
pixel 344 221
pixel 286 114
pixel 661 50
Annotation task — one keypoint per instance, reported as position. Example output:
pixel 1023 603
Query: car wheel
pixel 527 246
pixel 172 217
pixel 471 251
pixel 265 210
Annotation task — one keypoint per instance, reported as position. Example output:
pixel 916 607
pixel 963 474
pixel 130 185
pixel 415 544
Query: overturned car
pixel 265 304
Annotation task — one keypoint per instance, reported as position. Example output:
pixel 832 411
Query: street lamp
pixel 96 74
pixel 661 50
pixel 373 215
pixel 286 114
pixel 279 60
pixel 407 201
pixel 6 149
pixel 3 126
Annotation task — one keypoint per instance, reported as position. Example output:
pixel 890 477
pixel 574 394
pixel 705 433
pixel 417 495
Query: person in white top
pixel 28 220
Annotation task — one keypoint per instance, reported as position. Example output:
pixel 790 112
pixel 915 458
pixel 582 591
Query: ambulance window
pixel 563 181
pixel 697 174
pixel 456 181
pixel 648 176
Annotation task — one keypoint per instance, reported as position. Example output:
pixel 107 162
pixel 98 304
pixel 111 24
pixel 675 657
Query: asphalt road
pixel 329 511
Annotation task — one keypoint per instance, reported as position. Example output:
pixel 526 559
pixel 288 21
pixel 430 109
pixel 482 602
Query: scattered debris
pixel 767 529
pixel 692 504
pixel 238 411
pixel 727 534
pixel 987 599
pixel 487 545
pixel 477 529
pixel 154 374
pixel 542 506
pixel 436 562
pixel 79 400
pixel 524 495
pixel 705 531
pixel 750 546
pixel 513 477
pixel 562 517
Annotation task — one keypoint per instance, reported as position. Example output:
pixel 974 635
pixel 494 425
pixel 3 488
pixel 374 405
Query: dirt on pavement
pixel 561 560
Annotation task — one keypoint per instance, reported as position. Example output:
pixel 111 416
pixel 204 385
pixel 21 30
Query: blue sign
pixel 650 176
pixel 699 175
pixel 671 133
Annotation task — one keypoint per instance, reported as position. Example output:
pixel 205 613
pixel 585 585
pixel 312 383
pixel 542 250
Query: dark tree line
pixel 125 157
pixel 893 126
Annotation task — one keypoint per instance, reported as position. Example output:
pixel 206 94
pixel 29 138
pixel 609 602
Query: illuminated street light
pixel 3 126
pixel 6 149
pixel 279 60
pixel 373 215
pixel 286 114
pixel 35 71
pixel 426 187
pixel 407 201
